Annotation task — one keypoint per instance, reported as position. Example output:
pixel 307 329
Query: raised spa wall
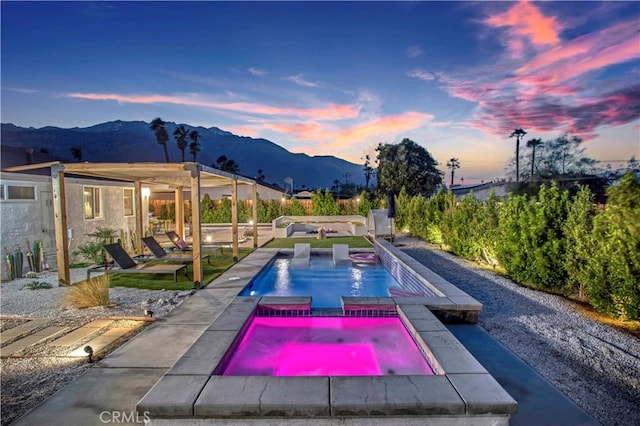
pixel 461 389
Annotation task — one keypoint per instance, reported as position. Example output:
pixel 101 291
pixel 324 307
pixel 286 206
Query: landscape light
pixel 148 313
pixel 89 351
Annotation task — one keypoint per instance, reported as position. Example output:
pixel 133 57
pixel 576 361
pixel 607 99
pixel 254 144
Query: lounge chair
pixel 301 255
pixel 157 250
pixel 178 241
pixel 128 265
pixel 341 254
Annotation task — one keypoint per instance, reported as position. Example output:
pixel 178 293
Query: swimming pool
pixel 322 281
pixel 326 346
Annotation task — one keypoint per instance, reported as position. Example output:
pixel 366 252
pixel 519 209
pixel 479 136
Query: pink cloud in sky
pixel 526 21
pixel 300 81
pixel 421 74
pixel 559 86
pixel 329 112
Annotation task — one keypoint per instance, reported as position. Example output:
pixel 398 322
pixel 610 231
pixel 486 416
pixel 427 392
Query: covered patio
pixel 181 177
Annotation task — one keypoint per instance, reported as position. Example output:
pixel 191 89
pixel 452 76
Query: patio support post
pixel 254 202
pixel 234 218
pixel 196 229
pixel 179 199
pixel 139 216
pixel 60 224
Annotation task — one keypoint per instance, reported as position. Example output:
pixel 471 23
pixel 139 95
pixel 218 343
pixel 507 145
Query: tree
pixel 518 133
pixel 407 164
pixel 565 156
pixel 453 164
pixel 181 134
pixel 194 146
pixel 261 176
pixel 368 171
pixel 157 126
pixel 76 153
pixel 226 165
pixel 533 143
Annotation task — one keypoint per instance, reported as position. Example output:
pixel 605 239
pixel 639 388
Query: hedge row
pixel 551 241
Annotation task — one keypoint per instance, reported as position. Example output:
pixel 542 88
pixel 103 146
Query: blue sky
pixel 336 78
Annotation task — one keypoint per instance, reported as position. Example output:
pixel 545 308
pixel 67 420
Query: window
pixel 17 192
pixel 128 201
pixel 92 202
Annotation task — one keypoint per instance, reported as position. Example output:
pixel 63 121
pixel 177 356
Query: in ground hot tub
pixel 325 346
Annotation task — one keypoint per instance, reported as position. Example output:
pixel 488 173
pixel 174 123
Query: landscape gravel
pixel 41 370
pixel 596 365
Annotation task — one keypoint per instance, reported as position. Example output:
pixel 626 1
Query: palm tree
pixel 181 134
pixel 194 146
pixel 76 153
pixel 227 165
pixel 261 175
pixel 518 133
pixel 533 143
pixel 453 164
pixel 368 171
pixel 157 126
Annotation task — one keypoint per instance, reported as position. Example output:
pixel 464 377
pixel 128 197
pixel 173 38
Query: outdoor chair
pixel 156 249
pixel 340 254
pixel 301 255
pixel 178 241
pixel 128 265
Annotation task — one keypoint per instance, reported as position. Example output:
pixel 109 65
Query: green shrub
pixel 324 204
pixel 611 274
pixel 459 226
pixel 36 285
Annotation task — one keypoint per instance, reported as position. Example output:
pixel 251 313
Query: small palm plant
pixel 93 251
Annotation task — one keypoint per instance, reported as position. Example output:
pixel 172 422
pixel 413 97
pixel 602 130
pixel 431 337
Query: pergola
pixel 178 176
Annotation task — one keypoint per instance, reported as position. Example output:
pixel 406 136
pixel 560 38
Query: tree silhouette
pixel 76 153
pixel 261 176
pixel 194 146
pixel 533 143
pixel 368 171
pixel 226 165
pixel 518 133
pixel 181 134
pixel 157 126
pixel 453 164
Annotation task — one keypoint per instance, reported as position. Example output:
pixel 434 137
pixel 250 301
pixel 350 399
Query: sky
pixel 337 78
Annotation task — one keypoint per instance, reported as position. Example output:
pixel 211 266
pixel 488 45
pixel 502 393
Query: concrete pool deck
pixel 116 383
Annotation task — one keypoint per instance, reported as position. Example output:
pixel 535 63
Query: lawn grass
pixel 354 242
pixel 218 265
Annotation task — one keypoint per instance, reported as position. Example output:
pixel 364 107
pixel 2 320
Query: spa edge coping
pixel 461 387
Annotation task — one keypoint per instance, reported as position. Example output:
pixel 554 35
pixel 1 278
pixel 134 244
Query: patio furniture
pixel 301 255
pixel 154 246
pixel 340 254
pixel 128 265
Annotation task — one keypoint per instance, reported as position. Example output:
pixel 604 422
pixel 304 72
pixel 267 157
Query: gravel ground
pixel 30 379
pixel 595 365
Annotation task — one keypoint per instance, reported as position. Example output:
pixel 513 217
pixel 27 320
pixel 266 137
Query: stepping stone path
pixel 97 343
pixel 31 339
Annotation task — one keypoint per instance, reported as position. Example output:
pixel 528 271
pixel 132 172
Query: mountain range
pixel 133 141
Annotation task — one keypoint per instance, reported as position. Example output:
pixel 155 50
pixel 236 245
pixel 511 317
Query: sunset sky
pixel 336 78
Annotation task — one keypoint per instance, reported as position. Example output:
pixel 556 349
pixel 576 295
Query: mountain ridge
pixel 133 141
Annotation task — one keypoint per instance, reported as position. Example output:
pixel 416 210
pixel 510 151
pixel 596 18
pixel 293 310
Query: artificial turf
pixel 353 242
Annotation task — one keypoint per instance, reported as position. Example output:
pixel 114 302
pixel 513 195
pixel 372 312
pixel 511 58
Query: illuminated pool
pixel 326 346
pixel 322 281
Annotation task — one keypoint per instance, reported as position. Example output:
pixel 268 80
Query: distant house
pixel 480 191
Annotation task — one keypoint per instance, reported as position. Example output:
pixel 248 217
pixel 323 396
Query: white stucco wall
pixel 22 220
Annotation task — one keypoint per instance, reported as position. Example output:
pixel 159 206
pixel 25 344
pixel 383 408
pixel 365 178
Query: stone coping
pixel 461 388
pixel 447 301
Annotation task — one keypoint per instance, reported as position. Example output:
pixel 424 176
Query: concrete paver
pixel 102 341
pixel 21 329
pixel 32 339
pixel 80 333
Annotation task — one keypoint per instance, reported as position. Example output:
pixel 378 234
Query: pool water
pixel 323 281
pixel 326 346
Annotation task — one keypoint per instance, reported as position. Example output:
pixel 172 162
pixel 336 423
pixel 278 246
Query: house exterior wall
pixel 32 220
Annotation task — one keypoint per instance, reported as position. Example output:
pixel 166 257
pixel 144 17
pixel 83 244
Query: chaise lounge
pixel 128 265
pixel 156 249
